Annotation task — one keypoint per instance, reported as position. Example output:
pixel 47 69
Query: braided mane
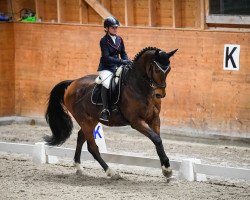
pixel 138 55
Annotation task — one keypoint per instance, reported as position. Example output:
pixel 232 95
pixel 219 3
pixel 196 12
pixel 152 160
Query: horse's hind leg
pixel 77 158
pixel 94 150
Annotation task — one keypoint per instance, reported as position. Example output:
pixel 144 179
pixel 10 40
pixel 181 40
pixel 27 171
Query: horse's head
pixel 157 71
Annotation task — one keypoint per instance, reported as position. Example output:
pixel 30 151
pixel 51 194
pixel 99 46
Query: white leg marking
pixel 167 171
pixel 79 169
pixel 112 174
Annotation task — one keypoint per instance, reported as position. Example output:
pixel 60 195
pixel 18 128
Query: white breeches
pixel 105 76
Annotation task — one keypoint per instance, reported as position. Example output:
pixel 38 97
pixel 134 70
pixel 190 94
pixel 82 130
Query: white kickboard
pixel 99 139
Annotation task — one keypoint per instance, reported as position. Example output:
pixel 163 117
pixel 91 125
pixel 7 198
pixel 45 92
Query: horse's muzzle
pixel 159 94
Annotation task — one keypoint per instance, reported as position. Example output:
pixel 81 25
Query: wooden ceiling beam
pixel 99 8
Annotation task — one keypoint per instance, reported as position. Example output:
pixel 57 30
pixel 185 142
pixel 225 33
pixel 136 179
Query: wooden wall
pixel 155 13
pixel 4 6
pixel 20 4
pixel 146 13
pixel 47 10
pixel 189 9
pixel 69 11
pixel 200 94
pixel 164 15
pixel 7 70
pixel 117 8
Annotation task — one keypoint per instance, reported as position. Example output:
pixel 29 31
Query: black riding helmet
pixel 111 21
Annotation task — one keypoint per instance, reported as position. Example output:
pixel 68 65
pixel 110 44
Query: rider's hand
pixel 127 62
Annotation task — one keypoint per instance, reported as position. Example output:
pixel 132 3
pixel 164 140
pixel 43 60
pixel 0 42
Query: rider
pixel 112 46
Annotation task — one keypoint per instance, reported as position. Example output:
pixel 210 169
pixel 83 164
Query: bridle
pixel 151 80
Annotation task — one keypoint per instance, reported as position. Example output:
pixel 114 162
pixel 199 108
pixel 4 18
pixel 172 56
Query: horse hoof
pixel 79 168
pixel 167 172
pixel 79 172
pixel 116 177
pixel 112 174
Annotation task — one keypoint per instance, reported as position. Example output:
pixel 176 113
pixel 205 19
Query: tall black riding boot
pixel 105 100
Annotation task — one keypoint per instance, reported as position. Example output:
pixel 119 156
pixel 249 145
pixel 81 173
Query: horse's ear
pixel 172 53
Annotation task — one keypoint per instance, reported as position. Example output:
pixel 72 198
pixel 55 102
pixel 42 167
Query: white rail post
pixel 39 155
pixel 198 176
pixel 186 171
pixel 51 159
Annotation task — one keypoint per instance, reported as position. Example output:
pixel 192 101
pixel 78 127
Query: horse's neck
pixel 141 65
pixel 137 78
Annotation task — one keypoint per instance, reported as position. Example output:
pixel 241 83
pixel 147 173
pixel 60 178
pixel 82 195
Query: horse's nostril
pixel 158 96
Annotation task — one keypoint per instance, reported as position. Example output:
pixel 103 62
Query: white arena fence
pixel 189 169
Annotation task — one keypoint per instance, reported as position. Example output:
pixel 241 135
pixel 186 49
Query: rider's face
pixel 112 30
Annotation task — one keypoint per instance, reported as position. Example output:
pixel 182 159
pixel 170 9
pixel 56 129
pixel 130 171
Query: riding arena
pixel 178 107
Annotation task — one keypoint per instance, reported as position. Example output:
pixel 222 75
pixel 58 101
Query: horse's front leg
pixel 155 125
pixel 153 134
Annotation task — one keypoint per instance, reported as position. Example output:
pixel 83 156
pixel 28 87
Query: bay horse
pixel 139 105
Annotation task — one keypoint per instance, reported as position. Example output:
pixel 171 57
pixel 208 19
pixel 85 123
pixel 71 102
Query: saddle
pixel 114 90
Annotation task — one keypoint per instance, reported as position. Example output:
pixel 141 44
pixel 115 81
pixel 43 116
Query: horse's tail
pixel 57 117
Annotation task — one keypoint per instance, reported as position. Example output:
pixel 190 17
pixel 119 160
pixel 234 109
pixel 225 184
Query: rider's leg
pixel 106 78
pixel 105 100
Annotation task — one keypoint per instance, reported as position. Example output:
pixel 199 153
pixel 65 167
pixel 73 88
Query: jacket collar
pixel 111 43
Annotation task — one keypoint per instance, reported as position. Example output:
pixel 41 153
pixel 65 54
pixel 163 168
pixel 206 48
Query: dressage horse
pixel 139 105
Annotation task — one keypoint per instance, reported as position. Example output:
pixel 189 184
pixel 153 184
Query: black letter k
pixel 229 56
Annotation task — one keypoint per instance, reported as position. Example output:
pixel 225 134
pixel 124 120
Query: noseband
pixel 152 82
